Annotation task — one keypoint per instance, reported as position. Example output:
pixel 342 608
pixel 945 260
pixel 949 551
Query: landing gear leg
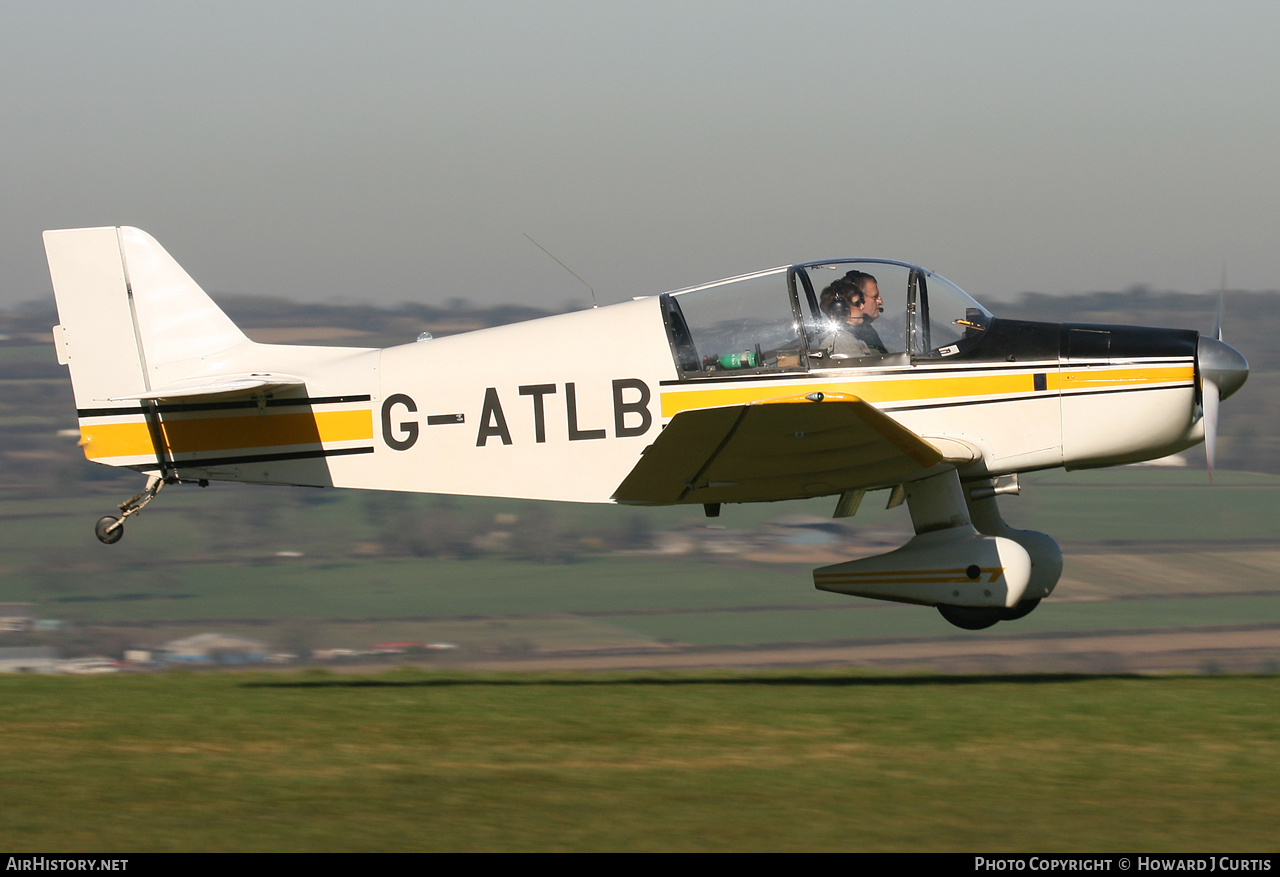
pixel 109 529
pixel 1046 556
pixel 941 503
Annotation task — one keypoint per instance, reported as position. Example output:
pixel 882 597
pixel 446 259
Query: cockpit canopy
pixel 818 316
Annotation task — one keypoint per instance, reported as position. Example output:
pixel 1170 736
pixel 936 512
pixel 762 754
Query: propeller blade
pixel 1222 370
pixel 1209 401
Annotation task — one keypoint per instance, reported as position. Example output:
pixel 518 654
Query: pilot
pixel 851 303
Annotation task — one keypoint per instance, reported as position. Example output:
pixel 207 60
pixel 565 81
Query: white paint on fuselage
pixel 460 414
pixel 499 381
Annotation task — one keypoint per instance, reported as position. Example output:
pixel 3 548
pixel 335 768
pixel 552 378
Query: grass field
pixel 414 761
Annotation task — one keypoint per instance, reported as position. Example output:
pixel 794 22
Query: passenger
pixel 840 342
pixel 851 303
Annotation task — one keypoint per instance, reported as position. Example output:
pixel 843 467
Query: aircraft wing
pixel 787 448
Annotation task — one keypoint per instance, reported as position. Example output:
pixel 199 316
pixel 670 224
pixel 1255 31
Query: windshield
pixel 820 315
pixel 950 321
pixel 867 311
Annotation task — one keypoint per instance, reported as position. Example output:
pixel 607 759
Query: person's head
pixel 842 301
pixel 853 298
pixel 868 304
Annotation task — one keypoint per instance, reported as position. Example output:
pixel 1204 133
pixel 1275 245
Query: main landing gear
pixel 964 559
pixel 982 617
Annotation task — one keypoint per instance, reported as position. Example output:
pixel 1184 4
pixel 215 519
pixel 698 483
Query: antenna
pixel 1222 297
pixel 594 303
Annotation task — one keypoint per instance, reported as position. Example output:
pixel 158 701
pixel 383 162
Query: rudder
pixel 130 318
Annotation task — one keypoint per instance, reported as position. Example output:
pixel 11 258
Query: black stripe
pixel 222 406
pixel 108 412
pixel 1187 385
pixel 267 458
pixel 934 405
pixel 444 419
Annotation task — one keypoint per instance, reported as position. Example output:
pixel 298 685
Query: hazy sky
pixel 387 152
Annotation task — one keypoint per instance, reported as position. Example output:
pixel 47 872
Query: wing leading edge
pixel 787 448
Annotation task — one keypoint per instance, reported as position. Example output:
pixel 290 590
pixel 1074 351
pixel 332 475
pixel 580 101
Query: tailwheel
pixel 109 529
pixel 972 617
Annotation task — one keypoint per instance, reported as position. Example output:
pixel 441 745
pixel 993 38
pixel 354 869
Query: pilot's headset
pixel 839 309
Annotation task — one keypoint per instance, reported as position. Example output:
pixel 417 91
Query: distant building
pixel 807 530
pixel 41 659
pixel 88 666
pixel 17 616
pixel 709 540
pixel 214 648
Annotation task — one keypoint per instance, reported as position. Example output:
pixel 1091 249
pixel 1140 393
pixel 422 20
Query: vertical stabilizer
pixel 95 337
pixel 130 318
pixel 178 324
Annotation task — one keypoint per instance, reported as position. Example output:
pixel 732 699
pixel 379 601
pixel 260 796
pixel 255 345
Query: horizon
pixel 402 153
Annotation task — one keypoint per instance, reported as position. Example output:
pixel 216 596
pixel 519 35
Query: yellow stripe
pixel 921 386
pixel 794 400
pixel 103 440
pixel 870 391
pixel 1119 376
pixel 115 440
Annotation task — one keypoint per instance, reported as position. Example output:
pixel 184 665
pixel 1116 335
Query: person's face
pixel 854 315
pixel 872 304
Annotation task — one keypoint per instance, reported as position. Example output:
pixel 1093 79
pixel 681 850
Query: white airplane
pixel 830 378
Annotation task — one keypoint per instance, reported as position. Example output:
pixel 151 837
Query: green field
pixel 413 761
pixel 1145 549
pixel 869 620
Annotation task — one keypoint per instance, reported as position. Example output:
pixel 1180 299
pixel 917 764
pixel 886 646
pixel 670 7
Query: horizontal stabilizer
pixel 787 448
pixel 232 385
